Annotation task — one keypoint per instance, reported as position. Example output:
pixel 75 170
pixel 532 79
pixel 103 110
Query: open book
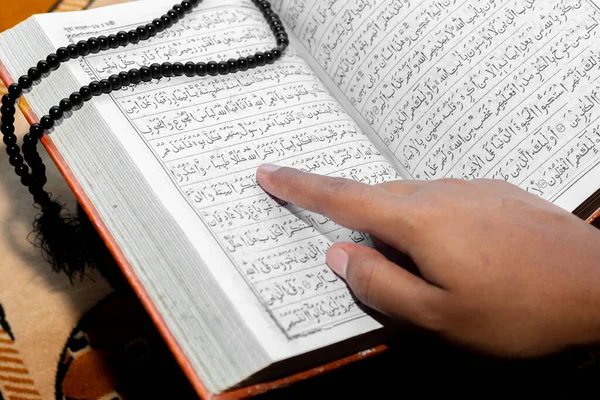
pixel 372 90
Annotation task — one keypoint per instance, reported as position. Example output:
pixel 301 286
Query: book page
pixel 469 88
pixel 199 141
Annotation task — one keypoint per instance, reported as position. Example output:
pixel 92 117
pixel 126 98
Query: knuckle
pixel 432 315
pixel 336 186
pixel 424 209
pixel 432 319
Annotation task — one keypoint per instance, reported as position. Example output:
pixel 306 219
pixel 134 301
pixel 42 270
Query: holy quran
pixel 373 90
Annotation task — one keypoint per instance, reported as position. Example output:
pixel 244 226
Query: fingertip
pixel 266 169
pixel 337 259
pixel 263 173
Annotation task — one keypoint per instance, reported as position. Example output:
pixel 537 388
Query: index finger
pixel 349 203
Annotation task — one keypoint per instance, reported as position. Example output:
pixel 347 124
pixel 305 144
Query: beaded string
pixel 58 235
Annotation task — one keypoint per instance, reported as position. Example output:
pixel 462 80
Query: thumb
pixel 386 287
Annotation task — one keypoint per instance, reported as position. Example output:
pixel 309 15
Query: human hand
pixel 499 270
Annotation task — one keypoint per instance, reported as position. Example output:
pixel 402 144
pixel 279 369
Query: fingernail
pixel 337 259
pixel 268 168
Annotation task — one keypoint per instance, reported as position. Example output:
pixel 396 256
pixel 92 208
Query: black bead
pixel 94 45
pixel 7 129
pixel 53 61
pixel 14 90
pixel 95 89
pixel 33 159
pixel 167 21
pixel 47 122
pixel 151 30
pixel 201 69
pixel 29 149
pixel 65 105
pixel 283 43
pixel 87 92
pixel 34 73
pixel 26 180
pixel 7 109
pixel 251 62
pixel 73 50
pixel 6 99
pixel 36 130
pixel 41 180
pixel 190 69
pixel 36 191
pixel 166 69
pixel 195 2
pixel 103 42
pixel 115 82
pixel 260 58
pixel 39 196
pixel 13 150
pixel 123 38
pixel 142 32
pixel 63 54
pixel 212 68
pixel 106 86
pixel 178 69
pixel 9 139
pixel 278 29
pixel 158 24
pixel 25 82
pixel 21 169
pixel 232 64
pixel 43 66
pixel 223 68
pixel 39 170
pixel 84 48
pixel 281 35
pixel 76 99
pixel 156 70
pixel 270 57
pixel 125 80
pixel 134 76
pixel 133 36
pixel 8 119
pixel 55 113
pixel 276 53
pixel 179 10
pixel 187 6
pixel 113 41
pixel 30 139
pixel 15 160
pixel 145 74
pixel 173 15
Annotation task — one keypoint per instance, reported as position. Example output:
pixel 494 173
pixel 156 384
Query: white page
pixel 469 88
pixel 199 141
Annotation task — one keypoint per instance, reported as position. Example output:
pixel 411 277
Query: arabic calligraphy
pixel 211 133
pixel 469 89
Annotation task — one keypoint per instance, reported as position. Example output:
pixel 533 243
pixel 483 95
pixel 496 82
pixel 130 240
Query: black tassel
pixel 62 241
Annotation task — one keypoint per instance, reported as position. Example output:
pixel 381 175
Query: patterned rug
pixel 93 340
